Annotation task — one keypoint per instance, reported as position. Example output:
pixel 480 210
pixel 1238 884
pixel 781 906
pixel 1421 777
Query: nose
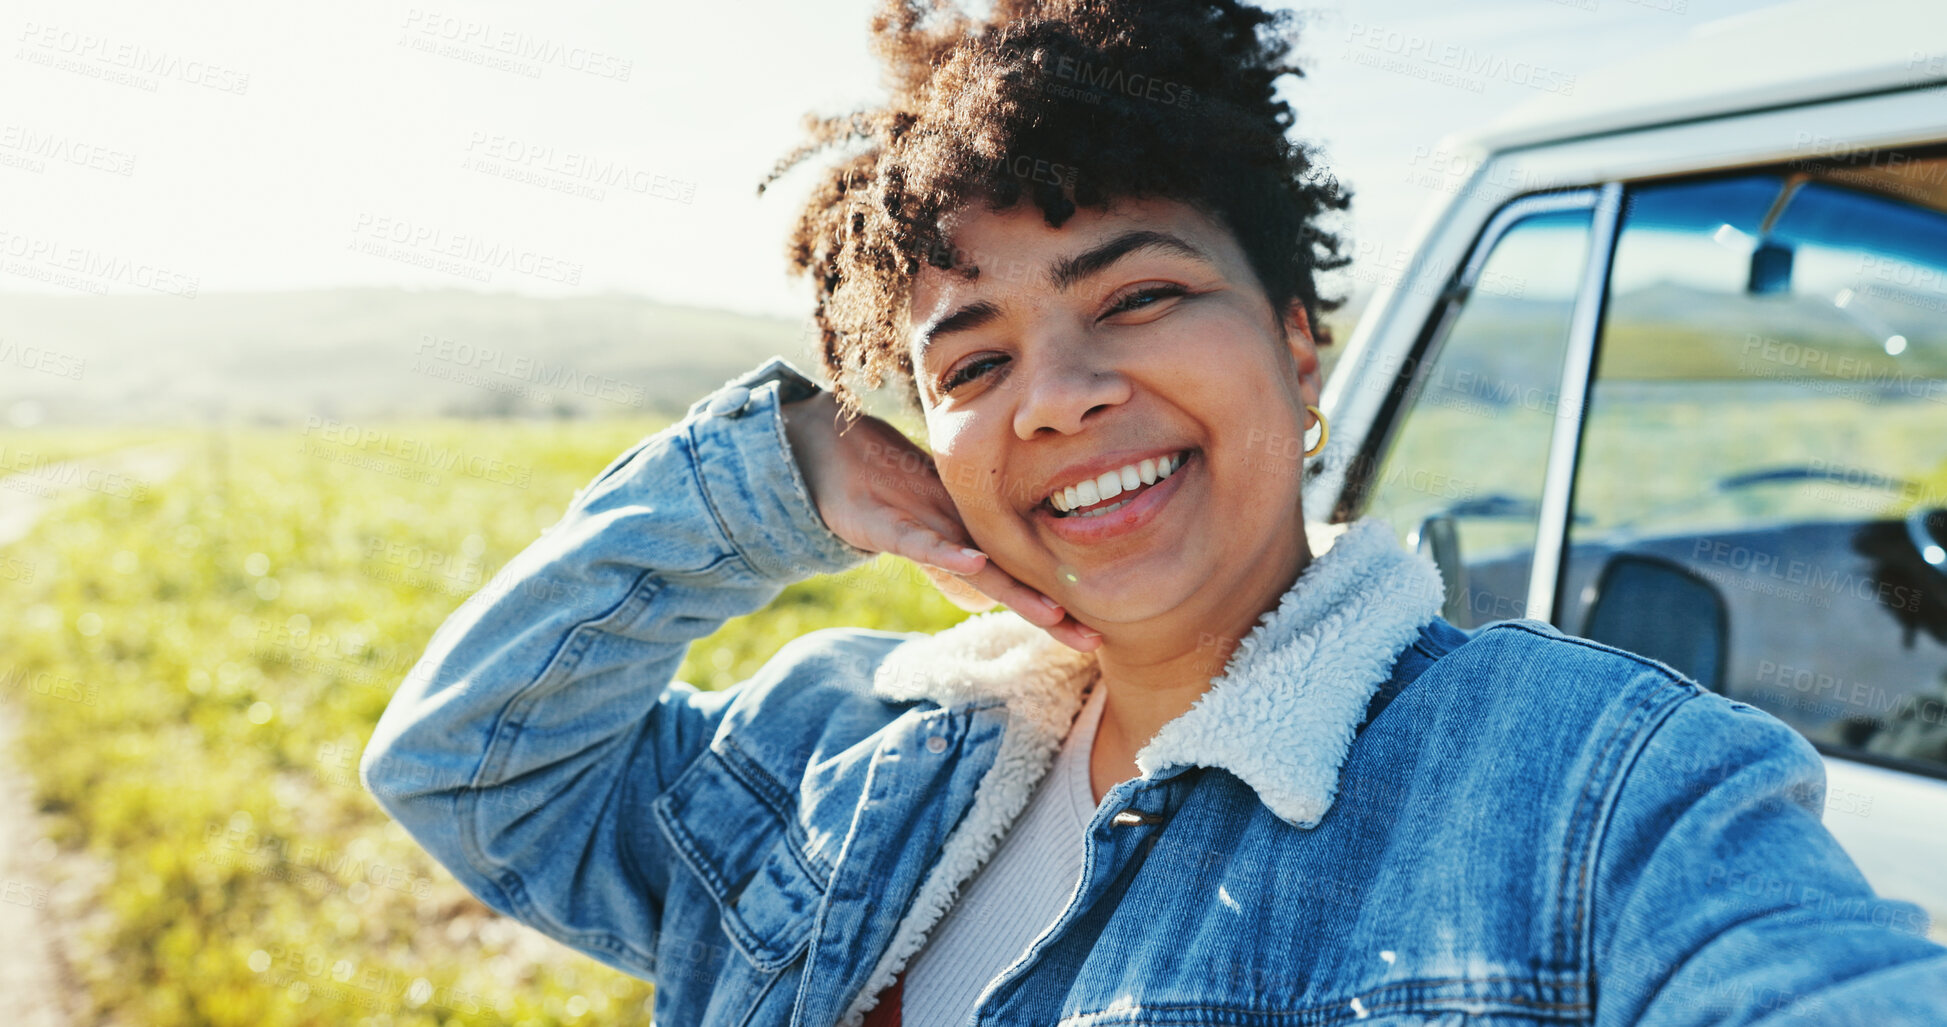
pixel 1064 386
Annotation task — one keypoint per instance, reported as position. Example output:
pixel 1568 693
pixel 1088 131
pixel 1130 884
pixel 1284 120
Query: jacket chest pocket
pixel 740 847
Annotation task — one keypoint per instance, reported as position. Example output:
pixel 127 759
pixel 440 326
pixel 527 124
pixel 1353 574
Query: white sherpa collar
pixel 1282 716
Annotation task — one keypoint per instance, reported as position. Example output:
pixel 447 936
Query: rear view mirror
pixel 1771 270
pixel 1659 609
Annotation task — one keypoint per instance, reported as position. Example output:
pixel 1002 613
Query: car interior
pixel 1760 486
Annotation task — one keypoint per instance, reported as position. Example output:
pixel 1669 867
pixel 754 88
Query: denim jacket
pixel 1370 816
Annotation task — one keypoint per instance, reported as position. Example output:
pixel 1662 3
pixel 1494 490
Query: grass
pixel 198 667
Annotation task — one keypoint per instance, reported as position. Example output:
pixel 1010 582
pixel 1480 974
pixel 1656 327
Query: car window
pixel 1489 388
pixel 1761 493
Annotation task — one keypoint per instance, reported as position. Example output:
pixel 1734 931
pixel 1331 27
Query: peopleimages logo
pixel 521 368
pixel 426 29
pixel 1427 58
pixel 85 268
pixel 414 453
pixel 563 170
pixel 1035 169
pixel 465 254
pixel 1104 78
pixel 119 61
pixel 31 148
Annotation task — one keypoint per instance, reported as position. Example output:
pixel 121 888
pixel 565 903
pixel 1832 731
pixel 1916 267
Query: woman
pixel 1200 771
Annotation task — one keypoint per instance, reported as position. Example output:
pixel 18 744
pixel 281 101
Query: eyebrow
pixel 1063 274
pixel 1069 270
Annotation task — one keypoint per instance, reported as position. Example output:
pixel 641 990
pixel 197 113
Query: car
pixel 1667 368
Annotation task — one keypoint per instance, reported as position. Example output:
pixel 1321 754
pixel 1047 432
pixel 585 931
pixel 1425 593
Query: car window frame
pixel 1604 204
pixel 1363 390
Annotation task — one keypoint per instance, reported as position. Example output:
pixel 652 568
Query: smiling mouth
pixel 1120 499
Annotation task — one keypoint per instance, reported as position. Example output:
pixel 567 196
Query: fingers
pixel 957 591
pixel 927 547
pixel 1076 635
pixel 997 584
pixel 1036 609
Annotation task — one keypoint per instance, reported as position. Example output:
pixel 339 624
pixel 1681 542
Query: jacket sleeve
pixel 1720 897
pixel 525 745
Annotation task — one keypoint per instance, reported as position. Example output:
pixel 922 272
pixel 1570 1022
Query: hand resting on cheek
pixel 881 493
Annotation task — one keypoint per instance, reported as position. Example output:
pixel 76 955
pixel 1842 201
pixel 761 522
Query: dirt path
pixel 38 987
pixel 34 976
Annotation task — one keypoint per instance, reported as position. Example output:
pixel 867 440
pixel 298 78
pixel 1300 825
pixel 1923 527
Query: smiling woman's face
pixel 1093 353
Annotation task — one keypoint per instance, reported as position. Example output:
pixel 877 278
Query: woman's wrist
pixel 756 484
pixel 806 427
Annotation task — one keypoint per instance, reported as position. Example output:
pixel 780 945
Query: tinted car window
pixel 1761 497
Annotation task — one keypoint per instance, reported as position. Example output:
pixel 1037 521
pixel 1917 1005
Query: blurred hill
pixel 349 354
pixel 352 354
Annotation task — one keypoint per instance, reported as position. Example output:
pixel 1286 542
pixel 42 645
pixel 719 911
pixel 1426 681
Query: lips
pixel 1129 511
pixel 1113 489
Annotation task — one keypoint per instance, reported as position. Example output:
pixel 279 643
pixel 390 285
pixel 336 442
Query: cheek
pixel 944 433
pixel 1257 423
pixel 1268 453
pixel 954 451
pixel 1220 341
pixel 965 463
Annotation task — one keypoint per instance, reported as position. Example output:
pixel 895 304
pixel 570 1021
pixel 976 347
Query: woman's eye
pixel 1145 298
pixel 969 371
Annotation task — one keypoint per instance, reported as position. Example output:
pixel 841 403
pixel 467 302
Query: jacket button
pixel 730 402
pixel 936 744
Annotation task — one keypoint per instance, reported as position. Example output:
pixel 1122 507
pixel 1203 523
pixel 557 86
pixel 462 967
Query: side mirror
pixel 1439 538
pixel 1664 611
pixel 1771 270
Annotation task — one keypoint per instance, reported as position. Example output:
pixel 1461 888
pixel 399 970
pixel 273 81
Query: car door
pixel 1486 380
pixel 1715 432
pixel 1760 497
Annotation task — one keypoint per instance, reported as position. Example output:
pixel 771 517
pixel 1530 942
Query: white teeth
pixel 1107 509
pixel 1110 484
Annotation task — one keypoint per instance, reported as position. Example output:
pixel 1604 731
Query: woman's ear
pixel 1304 350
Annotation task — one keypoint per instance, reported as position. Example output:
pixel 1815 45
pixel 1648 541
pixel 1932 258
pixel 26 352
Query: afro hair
pixel 1067 104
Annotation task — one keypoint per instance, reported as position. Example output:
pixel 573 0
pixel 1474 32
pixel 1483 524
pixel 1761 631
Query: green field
pixel 197 669
pixel 197 666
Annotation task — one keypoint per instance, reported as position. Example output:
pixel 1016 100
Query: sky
pixel 574 148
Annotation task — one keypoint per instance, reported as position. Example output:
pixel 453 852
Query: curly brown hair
pixel 1068 103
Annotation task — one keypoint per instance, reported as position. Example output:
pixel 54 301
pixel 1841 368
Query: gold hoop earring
pixel 1324 430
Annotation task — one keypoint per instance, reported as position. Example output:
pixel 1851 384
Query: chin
pixel 1132 590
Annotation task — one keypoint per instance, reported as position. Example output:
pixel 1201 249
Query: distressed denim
pixel 1525 827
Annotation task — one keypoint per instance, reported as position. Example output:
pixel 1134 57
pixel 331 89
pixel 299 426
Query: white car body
pixel 1783 84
